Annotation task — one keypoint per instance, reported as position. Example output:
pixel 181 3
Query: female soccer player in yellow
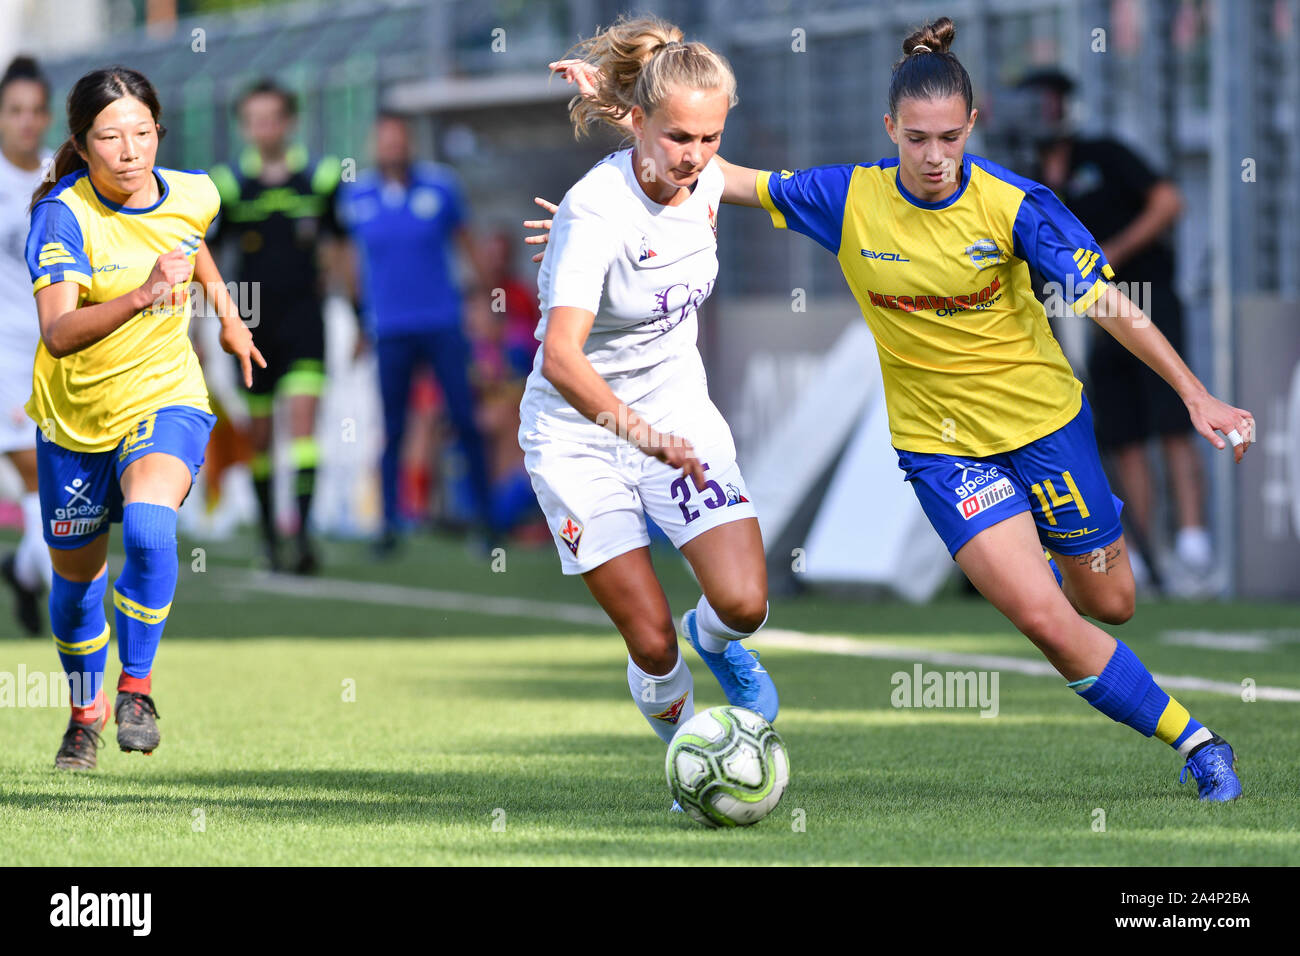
pixel 117 394
pixel 989 423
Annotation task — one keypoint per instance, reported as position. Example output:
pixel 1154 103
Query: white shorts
pixel 596 488
pixel 17 430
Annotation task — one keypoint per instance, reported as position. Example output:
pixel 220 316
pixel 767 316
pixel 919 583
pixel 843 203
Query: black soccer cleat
pixel 136 722
pixel 308 562
pixel 27 601
pixel 80 745
pixel 271 559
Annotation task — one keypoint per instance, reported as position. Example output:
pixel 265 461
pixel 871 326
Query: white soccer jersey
pixel 20 330
pixel 643 269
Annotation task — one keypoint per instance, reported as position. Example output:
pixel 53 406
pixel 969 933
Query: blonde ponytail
pixel 640 61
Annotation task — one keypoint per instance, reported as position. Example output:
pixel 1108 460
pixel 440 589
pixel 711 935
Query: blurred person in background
pixel 504 347
pixel 24 119
pixel 277 212
pixel 406 220
pixel 1130 209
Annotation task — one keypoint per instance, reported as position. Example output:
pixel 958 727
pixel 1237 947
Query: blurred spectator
pixel 277 211
pixel 24 118
pixel 504 347
pixel 1130 209
pixel 403 217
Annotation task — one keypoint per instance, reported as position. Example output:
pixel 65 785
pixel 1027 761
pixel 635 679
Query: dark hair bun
pixel 936 36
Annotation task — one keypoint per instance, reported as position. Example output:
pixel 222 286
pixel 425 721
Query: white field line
pixel 338 589
pixel 393 594
pixel 1258 641
pixel 830 644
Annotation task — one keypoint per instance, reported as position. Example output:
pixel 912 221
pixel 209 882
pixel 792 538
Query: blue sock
pixel 143 591
pixel 80 634
pixel 1125 692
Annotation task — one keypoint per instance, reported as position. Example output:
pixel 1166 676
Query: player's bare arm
pixel 740 189
pixel 235 338
pixel 66 328
pixel 566 367
pixel 1116 313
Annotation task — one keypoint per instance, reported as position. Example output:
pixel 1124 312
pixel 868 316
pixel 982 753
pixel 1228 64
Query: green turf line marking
pixel 391 594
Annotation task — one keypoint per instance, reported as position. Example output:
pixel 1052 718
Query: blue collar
pixel 163 190
pixel 942 203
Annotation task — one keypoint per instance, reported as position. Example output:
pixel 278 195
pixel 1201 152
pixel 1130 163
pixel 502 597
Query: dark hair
pixel 25 68
pixel 91 94
pixel 266 85
pixel 931 72
pixel 392 116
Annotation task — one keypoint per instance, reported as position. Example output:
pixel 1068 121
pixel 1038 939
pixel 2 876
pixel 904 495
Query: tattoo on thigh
pixel 1100 560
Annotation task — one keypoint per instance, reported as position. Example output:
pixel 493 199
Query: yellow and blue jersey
pixel 89 400
pixel 969 362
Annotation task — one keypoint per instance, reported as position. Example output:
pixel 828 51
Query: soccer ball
pixel 727 767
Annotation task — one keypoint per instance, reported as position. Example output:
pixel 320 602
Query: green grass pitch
pixel 478 738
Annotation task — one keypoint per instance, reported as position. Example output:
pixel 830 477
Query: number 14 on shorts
pixel 1058 501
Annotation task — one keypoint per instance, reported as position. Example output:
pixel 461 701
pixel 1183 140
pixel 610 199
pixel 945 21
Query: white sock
pixel 1193 547
pixel 32 561
pixel 666 701
pixel 1195 740
pixel 1141 576
pixel 714 635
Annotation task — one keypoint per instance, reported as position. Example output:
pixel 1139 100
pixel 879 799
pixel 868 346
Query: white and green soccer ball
pixel 727 767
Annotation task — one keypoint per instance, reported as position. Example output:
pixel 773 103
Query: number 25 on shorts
pixel 681 488
pixel 1058 500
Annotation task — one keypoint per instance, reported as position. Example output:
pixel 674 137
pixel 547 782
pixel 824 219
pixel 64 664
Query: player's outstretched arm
pixel 66 328
pixel 566 366
pixel 740 183
pixel 235 336
pixel 1116 313
pixel 740 188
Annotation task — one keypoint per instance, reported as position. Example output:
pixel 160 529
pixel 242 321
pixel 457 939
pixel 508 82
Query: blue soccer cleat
pixel 1214 765
pixel 745 682
pixel 676 808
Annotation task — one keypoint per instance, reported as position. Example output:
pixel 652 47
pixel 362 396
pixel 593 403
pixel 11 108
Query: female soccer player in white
pixel 24 118
pixel 987 418
pixel 616 420
pixel 117 394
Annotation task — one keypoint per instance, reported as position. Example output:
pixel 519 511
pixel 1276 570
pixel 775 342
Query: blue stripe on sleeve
pixel 812 201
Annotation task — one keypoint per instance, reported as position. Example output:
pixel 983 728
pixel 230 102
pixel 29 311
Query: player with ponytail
pixel 120 405
pixel 987 419
pixel 616 420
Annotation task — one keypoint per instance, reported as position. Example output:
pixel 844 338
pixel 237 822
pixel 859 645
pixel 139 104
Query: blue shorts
pixel 81 492
pixel 1058 478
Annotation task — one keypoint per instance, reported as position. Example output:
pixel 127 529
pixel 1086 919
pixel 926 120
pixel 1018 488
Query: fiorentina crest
pixel 571 533
pixel 674 711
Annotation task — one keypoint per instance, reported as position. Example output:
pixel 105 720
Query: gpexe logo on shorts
pixel 986 497
pixel 79 515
